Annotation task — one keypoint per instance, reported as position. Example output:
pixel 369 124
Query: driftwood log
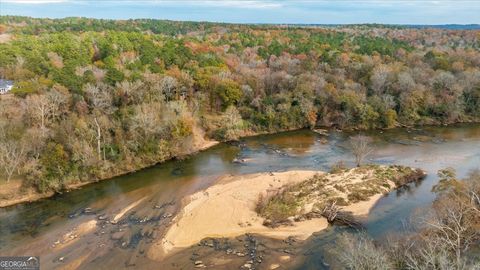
pixel 335 215
pixel 330 211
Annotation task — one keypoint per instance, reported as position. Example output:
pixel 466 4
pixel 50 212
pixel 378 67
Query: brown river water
pixel 69 231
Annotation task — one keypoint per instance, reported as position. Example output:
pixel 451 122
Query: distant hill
pixel 448 26
pixel 397 26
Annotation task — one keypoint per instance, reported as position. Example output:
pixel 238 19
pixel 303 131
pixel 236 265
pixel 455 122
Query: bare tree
pixel 359 252
pixel 233 122
pixel 82 143
pixel 444 239
pixel 427 253
pixel 361 149
pixel 451 227
pixel 100 98
pixel 152 88
pixel 99 138
pixel 380 78
pixel 57 102
pixel 147 120
pixel 12 154
pixel 169 86
pixel 101 104
pixel 43 109
pixel 455 218
pixel 130 91
pixel 39 109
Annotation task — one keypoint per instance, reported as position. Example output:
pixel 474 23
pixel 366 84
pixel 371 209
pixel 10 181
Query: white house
pixel 5 86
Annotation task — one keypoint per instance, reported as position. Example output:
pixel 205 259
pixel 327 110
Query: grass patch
pixel 277 206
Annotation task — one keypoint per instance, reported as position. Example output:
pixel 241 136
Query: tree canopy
pixel 104 96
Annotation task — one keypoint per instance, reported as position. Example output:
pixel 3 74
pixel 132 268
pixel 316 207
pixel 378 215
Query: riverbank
pixel 14 192
pixel 230 208
pixel 10 196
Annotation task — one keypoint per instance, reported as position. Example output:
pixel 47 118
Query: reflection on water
pixel 430 148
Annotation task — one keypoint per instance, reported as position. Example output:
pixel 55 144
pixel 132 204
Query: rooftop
pixel 5 83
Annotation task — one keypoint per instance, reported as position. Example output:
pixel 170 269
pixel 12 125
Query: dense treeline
pixel 93 98
pixel 27 25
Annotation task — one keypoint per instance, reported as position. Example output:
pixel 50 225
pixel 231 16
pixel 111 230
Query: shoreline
pixel 33 196
pixel 227 209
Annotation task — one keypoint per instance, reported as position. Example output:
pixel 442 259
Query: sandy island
pixel 227 209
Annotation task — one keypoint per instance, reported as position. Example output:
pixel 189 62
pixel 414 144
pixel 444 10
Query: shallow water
pixel 32 228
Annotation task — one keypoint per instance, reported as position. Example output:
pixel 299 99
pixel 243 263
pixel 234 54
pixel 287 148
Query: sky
pixel 257 11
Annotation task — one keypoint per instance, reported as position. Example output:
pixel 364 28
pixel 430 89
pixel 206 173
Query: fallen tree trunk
pixel 335 216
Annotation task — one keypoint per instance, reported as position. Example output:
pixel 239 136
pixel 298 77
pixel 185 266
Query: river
pixel 62 232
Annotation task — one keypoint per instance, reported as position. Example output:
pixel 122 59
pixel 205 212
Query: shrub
pixel 338 167
pixel 278 206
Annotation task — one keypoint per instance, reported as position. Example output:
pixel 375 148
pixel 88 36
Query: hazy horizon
pixel 394 12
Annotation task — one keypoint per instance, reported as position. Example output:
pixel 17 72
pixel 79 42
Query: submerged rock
pixel 247 266
pixel 88 211
pixel 117 235
pixel 239 160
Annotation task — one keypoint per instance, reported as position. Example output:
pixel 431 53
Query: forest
pixel 97 98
